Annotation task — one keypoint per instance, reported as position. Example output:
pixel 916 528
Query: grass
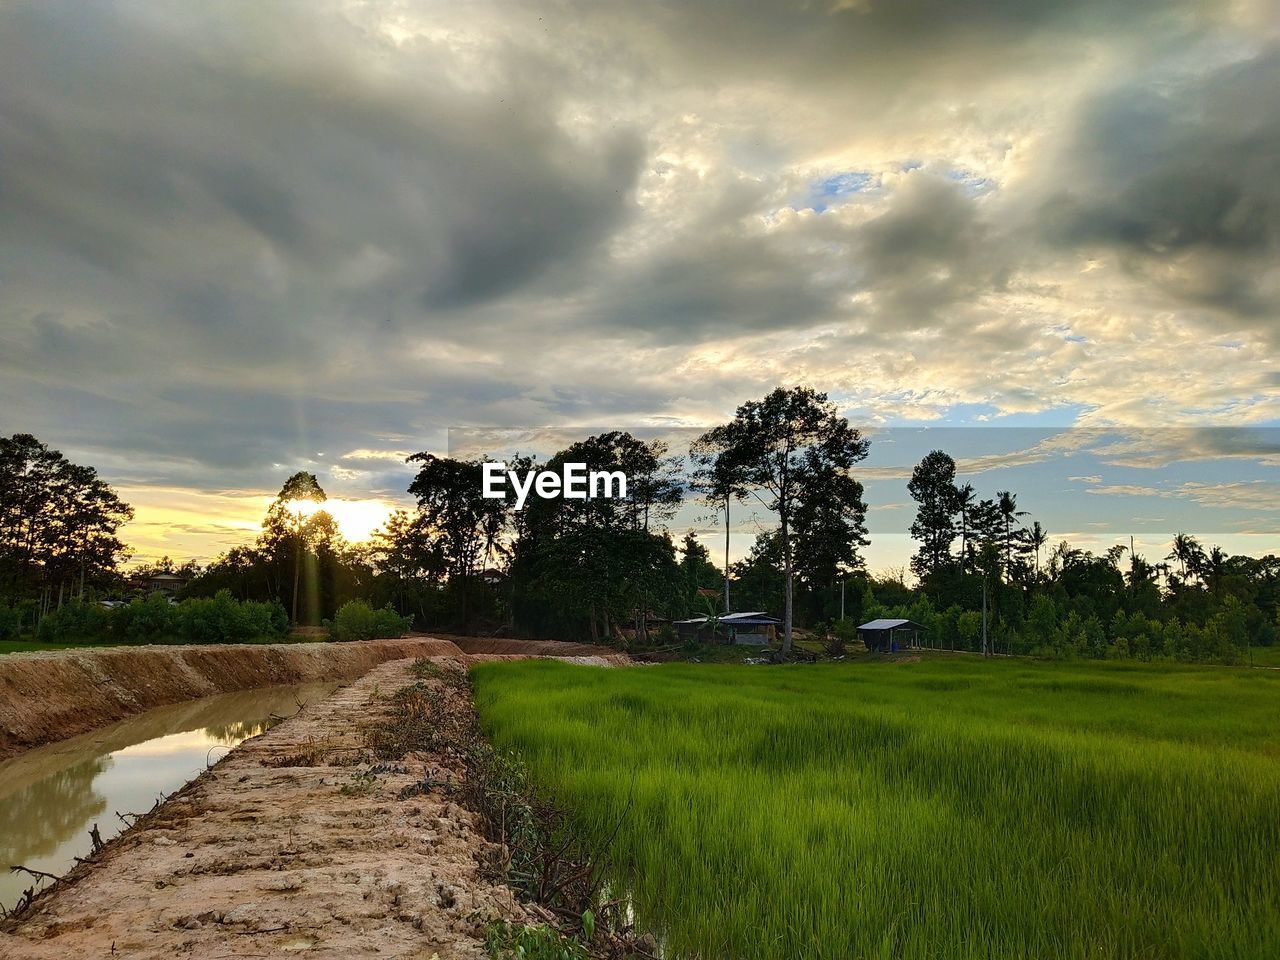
pixel 1264 656
pixel 947 808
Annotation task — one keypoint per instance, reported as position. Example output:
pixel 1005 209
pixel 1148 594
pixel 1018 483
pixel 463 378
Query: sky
pixel 243 239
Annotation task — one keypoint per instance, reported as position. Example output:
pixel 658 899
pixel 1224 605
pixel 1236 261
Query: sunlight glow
pixel 357 519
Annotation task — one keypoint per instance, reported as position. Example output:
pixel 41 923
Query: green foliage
pixel 74 622
pixel 223 619
pixel 941 809
pixel 507 941
pixel 10 622
pixel 145 621
pixel 356 620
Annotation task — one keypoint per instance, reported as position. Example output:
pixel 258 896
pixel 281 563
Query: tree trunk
pixel 297 569
pixel 726 555
pixel 786 611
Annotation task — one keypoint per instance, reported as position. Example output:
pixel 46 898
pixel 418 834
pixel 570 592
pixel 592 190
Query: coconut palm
pixel 1007 503
pixel 1037 538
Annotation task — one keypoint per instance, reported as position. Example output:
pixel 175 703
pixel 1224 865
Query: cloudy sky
pixel 240 239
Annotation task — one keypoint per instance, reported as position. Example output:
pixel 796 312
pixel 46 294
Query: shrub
pixel 145 621
pixel 224 619
pixel 73 622
pixel 10 621
pixel 356 620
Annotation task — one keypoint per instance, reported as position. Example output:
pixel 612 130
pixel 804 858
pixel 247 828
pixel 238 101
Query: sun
pixel 356 519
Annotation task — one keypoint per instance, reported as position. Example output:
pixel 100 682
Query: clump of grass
pixel 937 809
pixel 506 941
pixel 414 724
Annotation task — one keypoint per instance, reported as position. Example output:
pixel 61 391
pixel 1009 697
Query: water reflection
pixel 51 796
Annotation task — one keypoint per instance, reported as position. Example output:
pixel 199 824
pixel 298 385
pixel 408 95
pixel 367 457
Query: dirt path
pixel 296 842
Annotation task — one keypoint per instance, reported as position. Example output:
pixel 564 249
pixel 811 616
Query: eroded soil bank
pixel 56 694
pixel 298 841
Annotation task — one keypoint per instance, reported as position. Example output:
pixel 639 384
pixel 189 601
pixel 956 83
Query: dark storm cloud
pixel 849 41
pixel 150 153
pixel 1183 178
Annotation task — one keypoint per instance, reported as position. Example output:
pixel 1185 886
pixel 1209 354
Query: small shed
pixel 885 636
pixel 754 628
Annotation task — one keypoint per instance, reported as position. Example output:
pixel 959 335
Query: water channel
pixel 50 797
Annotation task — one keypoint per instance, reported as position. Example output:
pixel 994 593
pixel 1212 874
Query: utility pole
pixel 842 599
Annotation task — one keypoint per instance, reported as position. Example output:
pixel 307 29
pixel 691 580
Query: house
pixel 754 628
pixel 886 636
pixel 166 583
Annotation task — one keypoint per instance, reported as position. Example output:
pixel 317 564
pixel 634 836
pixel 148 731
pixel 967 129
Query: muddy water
pixel 51 796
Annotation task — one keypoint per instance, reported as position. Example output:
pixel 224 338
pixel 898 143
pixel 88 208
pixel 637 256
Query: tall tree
pixel 291 519
pixel 965 500
pixel 932 486
pixel 720 481
pixel 1007 504
pixel 830 527
pixel 58 522
pixel 1189 554
pixel 467 525
pixel 780 442
pixel 1037 538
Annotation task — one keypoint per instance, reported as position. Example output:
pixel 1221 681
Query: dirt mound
pixel 297 842
pixel 537 648
pixel 52 695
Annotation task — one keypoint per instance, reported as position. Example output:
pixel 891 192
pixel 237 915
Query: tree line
pixel 609 570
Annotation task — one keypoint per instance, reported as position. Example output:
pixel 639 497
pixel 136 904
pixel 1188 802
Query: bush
pixel 356 620
pixel 74 622
pixel 10 621
pixel 224 619
pixel 145 621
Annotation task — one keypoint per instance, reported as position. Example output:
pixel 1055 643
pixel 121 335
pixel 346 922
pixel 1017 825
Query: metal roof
pixel 755 615
pixel 883 624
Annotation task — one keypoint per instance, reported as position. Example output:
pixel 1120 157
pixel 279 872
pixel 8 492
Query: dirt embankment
pixel 53 695
pixel 501 646
pixel 298 841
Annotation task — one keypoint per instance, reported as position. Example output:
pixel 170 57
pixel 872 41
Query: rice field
pixel 947 808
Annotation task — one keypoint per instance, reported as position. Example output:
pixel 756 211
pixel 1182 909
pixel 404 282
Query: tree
pixel 779 443
pixel 696 570
pixel 293 519
pixel 58 523
pixel 1189 554
pixel 965 500
pixel 465 524
pixel 932 486
pixel 830 527
pixel 1037 538
pixel 1007 505
pixel 720 480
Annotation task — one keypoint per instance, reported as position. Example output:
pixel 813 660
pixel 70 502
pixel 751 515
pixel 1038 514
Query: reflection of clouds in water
pixel 227 735
pixel 230 733
pixel 52 795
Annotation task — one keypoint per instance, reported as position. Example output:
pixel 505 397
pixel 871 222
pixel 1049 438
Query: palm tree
pixel 1037 537
pixel 1008 505
pixel 1189 554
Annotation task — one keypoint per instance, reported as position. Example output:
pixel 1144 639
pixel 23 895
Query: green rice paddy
pixel 945 808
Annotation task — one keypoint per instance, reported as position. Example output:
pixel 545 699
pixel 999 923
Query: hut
pixel 886 636
pixel 755 628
